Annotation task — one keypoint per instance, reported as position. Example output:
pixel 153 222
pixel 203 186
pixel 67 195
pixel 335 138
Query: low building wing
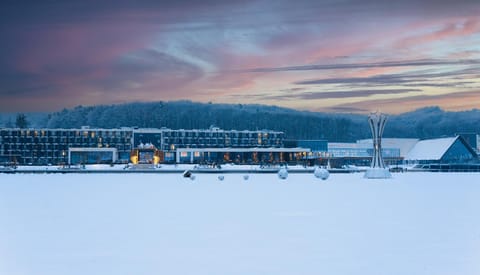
pixel 451 150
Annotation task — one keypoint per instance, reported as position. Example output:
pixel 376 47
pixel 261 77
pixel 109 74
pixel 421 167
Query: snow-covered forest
pixel 430 122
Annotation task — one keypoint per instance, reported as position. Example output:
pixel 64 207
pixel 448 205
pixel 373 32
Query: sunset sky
pixel 323 55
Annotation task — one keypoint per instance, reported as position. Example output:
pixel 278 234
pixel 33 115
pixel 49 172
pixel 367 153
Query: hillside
pixel 428 122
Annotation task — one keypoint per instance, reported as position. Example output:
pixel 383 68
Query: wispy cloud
pixel 449 101
pixel 336 94
pixel 450 78
pixel 385 64
pixel 450 30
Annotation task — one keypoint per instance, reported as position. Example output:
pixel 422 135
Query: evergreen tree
pixel 21 121
pixel 9 123
pixel 430 122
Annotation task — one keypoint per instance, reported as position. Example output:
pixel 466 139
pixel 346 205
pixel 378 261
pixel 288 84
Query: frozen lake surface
pixel 415 223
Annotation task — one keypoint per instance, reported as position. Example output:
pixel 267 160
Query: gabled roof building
pixel 442 150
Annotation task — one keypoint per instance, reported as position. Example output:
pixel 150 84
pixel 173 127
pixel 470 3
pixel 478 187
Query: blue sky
pixel 336 56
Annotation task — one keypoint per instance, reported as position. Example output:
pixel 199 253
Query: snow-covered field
pixel 68 224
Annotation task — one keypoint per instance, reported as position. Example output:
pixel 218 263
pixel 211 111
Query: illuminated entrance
pixel 146 154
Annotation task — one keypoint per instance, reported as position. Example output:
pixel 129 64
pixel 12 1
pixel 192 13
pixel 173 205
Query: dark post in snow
pixel 377 168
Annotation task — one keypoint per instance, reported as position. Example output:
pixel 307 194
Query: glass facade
pixel 50 146
pixel 154 138
pixel 457 153
pixel 471 139
pixel 242 156
pixel 355 154
pixel 314 145
pixel 363 152
pixel 167 139
pixel 91 157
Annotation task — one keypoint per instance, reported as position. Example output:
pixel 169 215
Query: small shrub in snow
pixel 282 173
pixel 321 173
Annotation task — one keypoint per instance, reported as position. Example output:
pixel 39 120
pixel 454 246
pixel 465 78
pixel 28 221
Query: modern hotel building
pixel 92 145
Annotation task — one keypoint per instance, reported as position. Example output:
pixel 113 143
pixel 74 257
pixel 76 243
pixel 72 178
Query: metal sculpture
pixel 377 169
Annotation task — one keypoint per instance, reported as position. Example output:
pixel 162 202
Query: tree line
pixel 430 122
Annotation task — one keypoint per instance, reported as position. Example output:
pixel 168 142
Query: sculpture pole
pixel 377 168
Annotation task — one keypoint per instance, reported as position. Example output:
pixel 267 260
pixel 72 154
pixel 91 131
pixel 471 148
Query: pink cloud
pixel 77 45
pixel 75 54
pixel 452 29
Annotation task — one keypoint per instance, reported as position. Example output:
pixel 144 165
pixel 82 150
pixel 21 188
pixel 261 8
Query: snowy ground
pixel 415 223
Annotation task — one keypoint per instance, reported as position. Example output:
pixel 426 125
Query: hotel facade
pixel 92 145
pixel 210 146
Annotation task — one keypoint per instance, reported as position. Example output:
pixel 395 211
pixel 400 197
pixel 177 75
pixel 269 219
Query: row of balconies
pixel 37 157
pixel 26 156
pixel 36 154
pixel 221 140
pixel 62 140
pixel 222 132
pixel 211 135
pixel 64 146
pixel 39 133
pixel 42 147
pixel 223 135
pixel 51 145
pixel 196 145
pixel 89 138
pixel 128 133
